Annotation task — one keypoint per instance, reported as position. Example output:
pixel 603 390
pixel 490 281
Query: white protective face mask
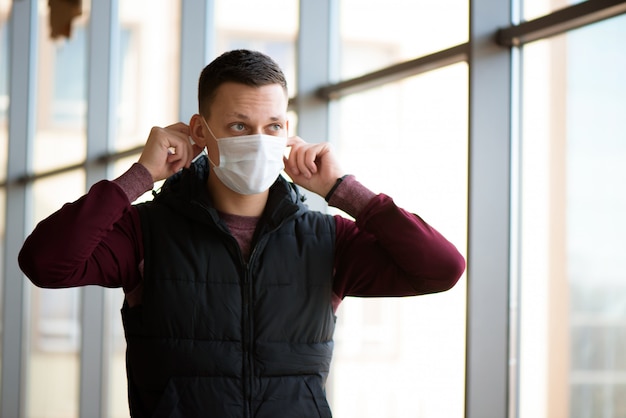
pixel 249 164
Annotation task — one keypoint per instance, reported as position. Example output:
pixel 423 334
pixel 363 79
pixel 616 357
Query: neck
pixel 232 203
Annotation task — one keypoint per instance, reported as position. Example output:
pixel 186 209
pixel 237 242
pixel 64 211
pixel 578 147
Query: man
pixel 231 283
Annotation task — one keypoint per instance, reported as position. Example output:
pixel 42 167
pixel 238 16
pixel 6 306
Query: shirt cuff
pixel 351 196
pixel 135 181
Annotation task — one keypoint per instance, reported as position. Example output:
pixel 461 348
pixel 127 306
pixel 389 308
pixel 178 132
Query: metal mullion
pixel 316 54
pixel 488 259
pixel 560 21
pixel 22 78
pixel 197 45
pixel 103 56
pixel 453 55
pixel 98 162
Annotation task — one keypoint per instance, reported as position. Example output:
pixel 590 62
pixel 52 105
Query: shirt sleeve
pixel 95 240
pixel 388 251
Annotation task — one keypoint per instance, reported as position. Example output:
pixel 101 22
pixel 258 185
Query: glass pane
pixel 573 229
pixel 61 96
pixel 250 30
pixel 375 34
pixel 118 385
pixel 408 140
pixel 532 9
pixel 149 63
pixel 53 357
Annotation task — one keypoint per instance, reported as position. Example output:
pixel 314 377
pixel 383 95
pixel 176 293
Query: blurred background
pixel 502 125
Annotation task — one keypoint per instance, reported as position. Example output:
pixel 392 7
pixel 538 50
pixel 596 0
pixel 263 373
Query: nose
pixel 257 130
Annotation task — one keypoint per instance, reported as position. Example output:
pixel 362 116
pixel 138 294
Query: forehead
pixel 254 102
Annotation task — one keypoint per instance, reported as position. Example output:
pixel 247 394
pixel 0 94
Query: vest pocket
pixel 190 397
pixel 319 397
pixel 292 396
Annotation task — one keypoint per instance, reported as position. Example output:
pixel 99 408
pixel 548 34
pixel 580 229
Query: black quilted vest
pixel 215 336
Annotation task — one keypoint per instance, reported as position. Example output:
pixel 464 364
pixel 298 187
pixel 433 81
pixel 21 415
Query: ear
pixel 197 131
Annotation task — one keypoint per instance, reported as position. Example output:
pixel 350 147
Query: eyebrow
pixel 240 116
pixel 246 117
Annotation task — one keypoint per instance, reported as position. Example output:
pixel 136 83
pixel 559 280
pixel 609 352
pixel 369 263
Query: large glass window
pixel 408 140
pixel 573 229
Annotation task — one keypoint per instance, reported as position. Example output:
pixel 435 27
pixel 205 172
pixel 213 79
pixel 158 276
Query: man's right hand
pixel 168 150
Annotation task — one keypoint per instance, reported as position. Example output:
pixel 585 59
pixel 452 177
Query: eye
pixel 238 127
pixel 276 127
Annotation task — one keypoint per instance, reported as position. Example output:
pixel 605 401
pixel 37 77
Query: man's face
pixel 238 109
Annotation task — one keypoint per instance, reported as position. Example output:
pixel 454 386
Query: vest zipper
pixel 248 330
pixel 248 334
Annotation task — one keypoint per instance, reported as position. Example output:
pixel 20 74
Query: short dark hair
pixel 243 66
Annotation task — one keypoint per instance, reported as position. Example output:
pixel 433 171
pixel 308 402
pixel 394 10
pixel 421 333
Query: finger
pixel 174 135
pixel 310 159
pixel 291 169
pixel 299 161
pixel 179 127
pixel 182 144
pixel 297 154
pixel 178 138
pixel 294 140
pixel 178 151
pixel 290 162
pixel 313 155
pixel 176 162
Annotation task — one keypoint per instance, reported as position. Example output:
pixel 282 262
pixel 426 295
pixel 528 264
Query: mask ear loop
pixel 207 126
pixel 203 152
pixel 213 135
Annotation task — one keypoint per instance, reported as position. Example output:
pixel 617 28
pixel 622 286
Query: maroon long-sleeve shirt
pixel 97 240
